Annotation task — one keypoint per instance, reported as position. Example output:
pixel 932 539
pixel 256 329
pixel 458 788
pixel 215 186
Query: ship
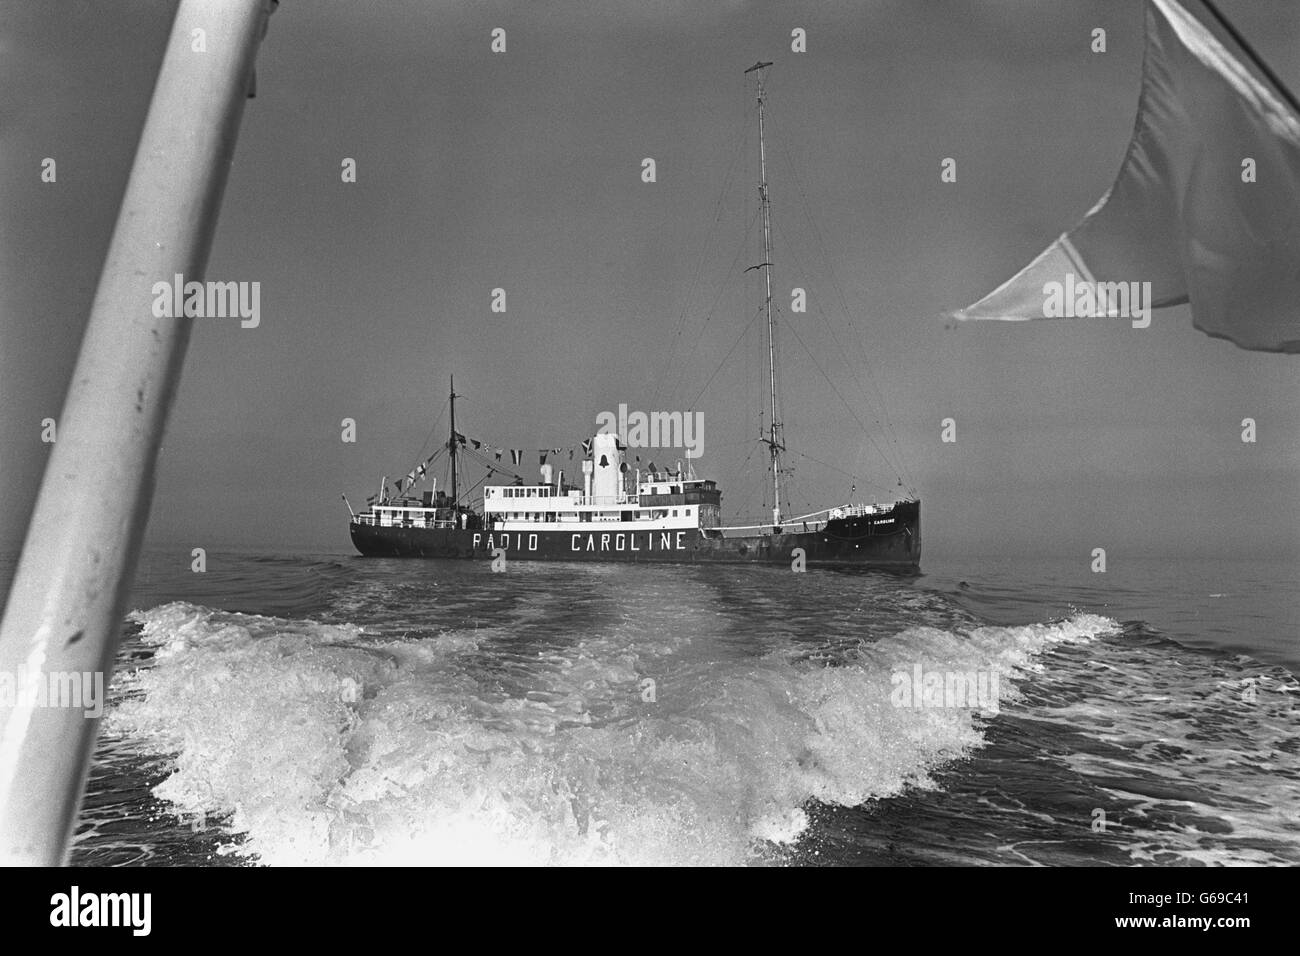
pixel 619 512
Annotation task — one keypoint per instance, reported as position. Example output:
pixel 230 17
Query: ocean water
pixel 337 710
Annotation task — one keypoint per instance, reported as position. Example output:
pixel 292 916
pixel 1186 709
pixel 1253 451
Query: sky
pixel 522 170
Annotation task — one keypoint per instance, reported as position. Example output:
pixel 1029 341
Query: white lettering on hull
pixel 633 541
pixel 505 542
pixel 579 541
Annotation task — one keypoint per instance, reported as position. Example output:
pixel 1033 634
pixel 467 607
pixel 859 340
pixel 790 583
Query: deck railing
pixel 405 522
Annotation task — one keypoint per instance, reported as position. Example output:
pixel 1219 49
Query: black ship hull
pixel 889 539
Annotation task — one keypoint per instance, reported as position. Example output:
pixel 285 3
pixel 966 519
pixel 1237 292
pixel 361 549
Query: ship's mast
pixel 451 444
pixel 774 443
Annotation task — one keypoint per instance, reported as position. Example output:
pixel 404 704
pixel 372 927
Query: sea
pixel 330 709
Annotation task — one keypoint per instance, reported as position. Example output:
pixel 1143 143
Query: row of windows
pixel 527 492
pixel 585 516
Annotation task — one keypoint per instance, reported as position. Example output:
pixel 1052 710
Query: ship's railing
pixel 813 521
pixel 787 526
pixel 857 511
pixel 666 477
pixel 412 521
pixel 606 501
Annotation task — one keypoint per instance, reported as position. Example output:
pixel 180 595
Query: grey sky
pixel 522 171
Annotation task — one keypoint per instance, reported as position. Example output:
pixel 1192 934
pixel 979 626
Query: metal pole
pixel 775 440
pixel 65 608
pixel 451 446
pixel 1253 55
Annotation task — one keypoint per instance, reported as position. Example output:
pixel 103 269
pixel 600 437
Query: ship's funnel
pixel 547 474
pixel 608 471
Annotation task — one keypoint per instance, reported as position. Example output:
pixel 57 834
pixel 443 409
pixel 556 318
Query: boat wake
pixel 311 743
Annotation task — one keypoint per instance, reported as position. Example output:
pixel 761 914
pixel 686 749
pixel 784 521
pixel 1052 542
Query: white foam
pixel 326 745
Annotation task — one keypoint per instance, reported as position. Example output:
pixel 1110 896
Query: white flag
pixel 1206 207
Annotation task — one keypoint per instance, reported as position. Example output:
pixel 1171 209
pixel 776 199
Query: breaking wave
pixel 313 743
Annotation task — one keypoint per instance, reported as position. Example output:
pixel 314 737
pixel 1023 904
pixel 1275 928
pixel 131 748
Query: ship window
pixel 674 512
